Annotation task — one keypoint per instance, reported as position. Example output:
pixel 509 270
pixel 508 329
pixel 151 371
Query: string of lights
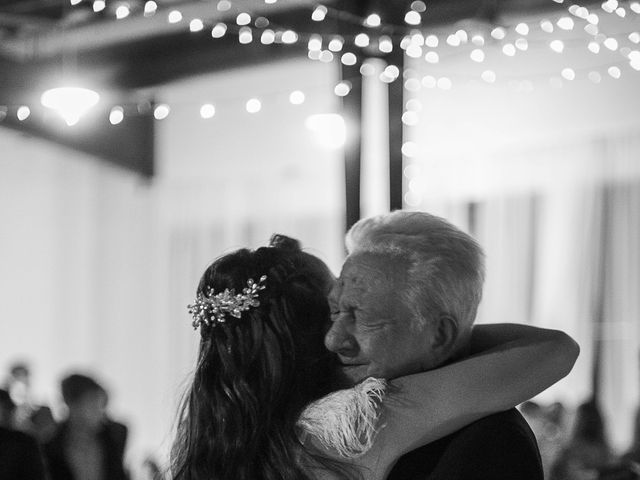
pixel 436 48
pixel 412 83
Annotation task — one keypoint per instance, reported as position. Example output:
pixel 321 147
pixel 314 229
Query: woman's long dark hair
pixel 256 374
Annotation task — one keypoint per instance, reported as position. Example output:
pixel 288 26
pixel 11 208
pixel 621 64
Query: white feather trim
pixel 346 421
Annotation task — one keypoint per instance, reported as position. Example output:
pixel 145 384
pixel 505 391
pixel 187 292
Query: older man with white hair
pixel 405 302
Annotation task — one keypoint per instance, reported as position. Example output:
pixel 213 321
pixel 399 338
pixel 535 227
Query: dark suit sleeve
pixel 498 447
pixel 34 461
pixel 20 457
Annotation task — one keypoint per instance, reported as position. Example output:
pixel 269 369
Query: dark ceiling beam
pixel 135 28
pixel 16 20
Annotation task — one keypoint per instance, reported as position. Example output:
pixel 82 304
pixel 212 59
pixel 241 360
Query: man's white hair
pixel 445 265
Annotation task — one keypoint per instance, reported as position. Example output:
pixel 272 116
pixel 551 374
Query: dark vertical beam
pixel 396 102
pixel 600 297
pixel 352 111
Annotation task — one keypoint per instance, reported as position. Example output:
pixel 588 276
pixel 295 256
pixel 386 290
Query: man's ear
pixel 445 334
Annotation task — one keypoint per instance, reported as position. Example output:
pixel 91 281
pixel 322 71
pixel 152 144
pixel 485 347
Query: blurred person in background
pixel 633 454
pixel 587 451
pixel 549 426
pixel 151 470
pixel 29 417
pixel 87 445
pixel 18 384
pixel 20 456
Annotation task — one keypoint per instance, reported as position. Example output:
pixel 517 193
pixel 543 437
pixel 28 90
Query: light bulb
pixel 477 55
pixel 557 46
pixel 150 8
pixel 161 111
pixel 71 103
pixel 122 12
pixel 509 49
pixel 385 45
pixel 614 72
pixel 207 111
pixel 116 115
pixel 611 43
pixel 174 16
pixel 412 18
pixel 23 113
pixel 268 37
pixel 296 97
pixel 245 35
pixel 342 89
pixel 253 105
pixel 349 59
pixel 362 40
pixel 219 30
pixel 196 25
pixel 336 43
pixel 488 76
pixel 431 41
pixel 498 33
pixel 315 43
pixel 289 37
pixel 373 20
pixel 565 23
pixel 453 40
pixel 319 13
pixel 546 26
pixel 432 57
pixel 243 19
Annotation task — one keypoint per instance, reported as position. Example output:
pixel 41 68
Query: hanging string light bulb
pixel 150 8
pixel 319 13
pixel 373 20
pixel 71 103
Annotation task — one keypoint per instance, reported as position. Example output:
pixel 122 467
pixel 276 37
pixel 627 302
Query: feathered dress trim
pixel 346 421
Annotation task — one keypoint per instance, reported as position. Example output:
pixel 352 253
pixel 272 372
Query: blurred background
pixel 139 140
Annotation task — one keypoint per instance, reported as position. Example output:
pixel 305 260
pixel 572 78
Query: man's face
pixel 372 331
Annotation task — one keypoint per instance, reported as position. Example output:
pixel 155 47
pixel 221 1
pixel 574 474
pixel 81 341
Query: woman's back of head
pixel 262 316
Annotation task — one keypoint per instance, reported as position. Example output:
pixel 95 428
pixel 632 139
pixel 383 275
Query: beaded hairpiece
pixel 212 308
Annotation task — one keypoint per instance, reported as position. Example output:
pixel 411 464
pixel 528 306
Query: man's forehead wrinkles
pixel 363 278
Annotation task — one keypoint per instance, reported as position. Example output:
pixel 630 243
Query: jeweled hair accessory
pixel 212 308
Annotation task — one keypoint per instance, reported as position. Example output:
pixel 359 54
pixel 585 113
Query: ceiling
pixel 41 37
pixel 42 40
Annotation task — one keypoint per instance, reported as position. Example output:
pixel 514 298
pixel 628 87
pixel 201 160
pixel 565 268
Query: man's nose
pixel 340 340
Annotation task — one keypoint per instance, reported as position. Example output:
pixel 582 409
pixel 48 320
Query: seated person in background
pixel 587 451
pixel 87 445
pixel 20 456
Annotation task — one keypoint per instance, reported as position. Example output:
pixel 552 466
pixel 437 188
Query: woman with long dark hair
pixel 263 402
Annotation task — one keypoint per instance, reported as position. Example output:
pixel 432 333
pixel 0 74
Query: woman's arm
pixel 510 363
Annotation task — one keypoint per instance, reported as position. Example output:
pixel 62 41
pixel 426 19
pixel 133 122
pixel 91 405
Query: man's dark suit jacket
pixel 497 447
pixel 113 438
pixel 20 457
